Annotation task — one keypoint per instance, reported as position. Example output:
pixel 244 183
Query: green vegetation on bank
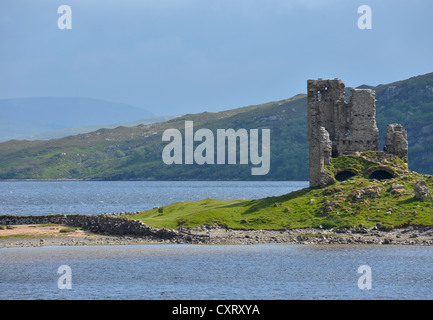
pixel 358 200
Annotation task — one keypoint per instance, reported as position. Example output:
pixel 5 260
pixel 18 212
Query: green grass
pixel 45 225
pixel 331 207
pixel 67 230
pixel 193 213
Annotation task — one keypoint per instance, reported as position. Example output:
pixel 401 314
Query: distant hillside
pixel 61 133
pixel 30 116
pixel 135 152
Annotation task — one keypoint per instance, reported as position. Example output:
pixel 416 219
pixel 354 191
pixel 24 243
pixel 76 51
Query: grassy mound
pixel 357 200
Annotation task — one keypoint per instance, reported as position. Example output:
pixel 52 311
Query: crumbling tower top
pixel 349 126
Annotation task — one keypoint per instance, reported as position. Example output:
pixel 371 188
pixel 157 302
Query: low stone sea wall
pixel 102 223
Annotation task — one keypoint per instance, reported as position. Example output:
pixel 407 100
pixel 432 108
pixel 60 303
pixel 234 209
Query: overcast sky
pixel 188 56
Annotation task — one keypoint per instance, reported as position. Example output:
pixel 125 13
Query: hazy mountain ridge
pixel 24 117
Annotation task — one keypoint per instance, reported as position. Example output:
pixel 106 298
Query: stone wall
pixel 396 141
pixel 325 108
pixel 101 223
pixel 320 155
pixel 349 127
pixel 362 134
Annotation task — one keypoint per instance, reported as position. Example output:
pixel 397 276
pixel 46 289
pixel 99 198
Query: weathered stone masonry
pixel 396 141
pixel 101 223
pixel 337 127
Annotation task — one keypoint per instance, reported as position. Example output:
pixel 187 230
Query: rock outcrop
pixel 421 190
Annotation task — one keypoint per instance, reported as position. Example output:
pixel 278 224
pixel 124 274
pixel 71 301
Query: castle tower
pixel 346 127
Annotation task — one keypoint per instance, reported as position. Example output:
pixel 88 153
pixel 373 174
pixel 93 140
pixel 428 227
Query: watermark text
pixel 181 149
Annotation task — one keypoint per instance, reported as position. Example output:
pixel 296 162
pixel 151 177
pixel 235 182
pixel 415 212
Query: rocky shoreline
pixel 212 235
pixel 406 236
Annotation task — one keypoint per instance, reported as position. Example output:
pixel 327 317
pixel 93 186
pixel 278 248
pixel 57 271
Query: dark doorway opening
pixel 381 175
pixel 344 175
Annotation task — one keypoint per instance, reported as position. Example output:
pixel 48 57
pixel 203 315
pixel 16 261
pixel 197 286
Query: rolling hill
pixel 126 153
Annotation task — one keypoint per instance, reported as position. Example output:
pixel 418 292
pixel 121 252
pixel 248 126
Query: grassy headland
pixel 387 203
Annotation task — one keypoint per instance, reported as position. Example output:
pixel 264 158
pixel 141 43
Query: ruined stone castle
pixel 337 127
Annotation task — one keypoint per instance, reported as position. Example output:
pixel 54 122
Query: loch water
pixel 94 197
pixel 233 272
pixel 172 272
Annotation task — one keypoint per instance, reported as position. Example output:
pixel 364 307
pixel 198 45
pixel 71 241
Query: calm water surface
pixel 94 197
pixel 274 271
